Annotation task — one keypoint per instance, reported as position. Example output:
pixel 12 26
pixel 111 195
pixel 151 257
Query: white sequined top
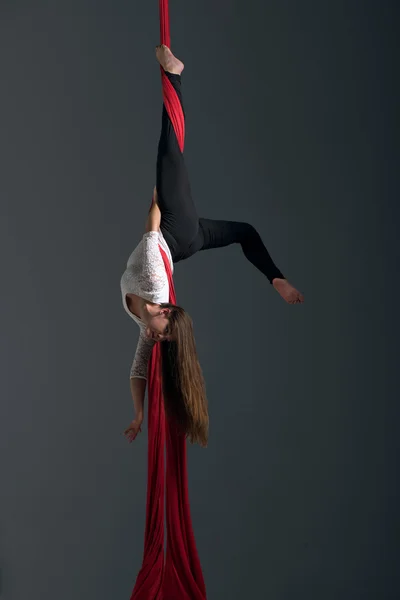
pixel 145 276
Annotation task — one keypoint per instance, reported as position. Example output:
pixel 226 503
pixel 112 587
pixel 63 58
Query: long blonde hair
pixel 183 382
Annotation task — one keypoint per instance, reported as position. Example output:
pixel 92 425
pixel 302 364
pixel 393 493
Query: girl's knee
pixel 249 232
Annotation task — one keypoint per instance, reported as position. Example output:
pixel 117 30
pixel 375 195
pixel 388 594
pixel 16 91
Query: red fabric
pixel 174 109
pixel 170 97
pixel 179 577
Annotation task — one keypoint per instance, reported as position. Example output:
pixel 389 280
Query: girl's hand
pixel 134 428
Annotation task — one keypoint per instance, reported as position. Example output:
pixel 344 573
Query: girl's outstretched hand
pixel 134 428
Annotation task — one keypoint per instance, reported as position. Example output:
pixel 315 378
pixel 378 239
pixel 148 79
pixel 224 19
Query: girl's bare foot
pixel 168 61
pixel 287 291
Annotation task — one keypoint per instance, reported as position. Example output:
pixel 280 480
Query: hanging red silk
pixel 177 575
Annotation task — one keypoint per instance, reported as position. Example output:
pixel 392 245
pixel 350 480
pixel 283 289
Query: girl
pixel 174 225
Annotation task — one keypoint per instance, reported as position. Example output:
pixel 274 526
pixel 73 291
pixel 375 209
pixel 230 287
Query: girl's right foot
pixel 287 291
pixel 168 61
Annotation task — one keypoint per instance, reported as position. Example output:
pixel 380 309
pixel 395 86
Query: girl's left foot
pixel 287 291
pixel 168 61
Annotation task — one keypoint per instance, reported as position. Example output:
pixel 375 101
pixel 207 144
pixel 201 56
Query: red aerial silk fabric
pixel 171 100
pixel 179 575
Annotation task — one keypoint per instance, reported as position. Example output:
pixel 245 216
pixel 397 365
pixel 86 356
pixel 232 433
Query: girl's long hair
pixel 184 389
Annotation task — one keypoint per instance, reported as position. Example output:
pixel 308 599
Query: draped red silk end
pixel 178 575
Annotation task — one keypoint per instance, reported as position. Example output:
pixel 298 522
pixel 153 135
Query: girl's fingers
pixel 131 433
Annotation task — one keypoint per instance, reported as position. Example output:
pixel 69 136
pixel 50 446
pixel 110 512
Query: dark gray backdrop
pixel 290 110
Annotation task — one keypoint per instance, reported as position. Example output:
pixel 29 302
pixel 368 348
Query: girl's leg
pixel 217 234
pixel 179 219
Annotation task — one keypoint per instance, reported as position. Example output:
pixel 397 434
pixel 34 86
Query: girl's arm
pixel 154 279
pixel 138 373
pixel 142 356
pixel 138 390
pixel 138 383
pixel 154 217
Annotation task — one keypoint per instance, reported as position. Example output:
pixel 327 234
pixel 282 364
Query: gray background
pixel 290 110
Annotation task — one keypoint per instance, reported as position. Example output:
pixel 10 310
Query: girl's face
pixel 157 329
pixel 157 321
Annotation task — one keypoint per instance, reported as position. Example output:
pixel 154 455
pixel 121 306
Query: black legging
pixel 181 226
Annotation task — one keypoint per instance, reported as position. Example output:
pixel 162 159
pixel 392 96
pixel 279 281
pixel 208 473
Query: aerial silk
pixel 177 574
